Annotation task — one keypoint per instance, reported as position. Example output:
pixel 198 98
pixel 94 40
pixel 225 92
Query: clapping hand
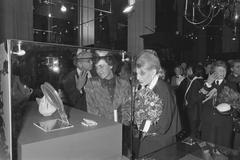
pixel 80 80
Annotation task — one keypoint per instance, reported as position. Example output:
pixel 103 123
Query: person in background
pixel 208 66
pixel 215 127
pixel 165 123
pixel 178 77
pixel 180 91
pixel 193 101
pixel 162 74
pixel 234 77
pixel 83 63
pixel 184 68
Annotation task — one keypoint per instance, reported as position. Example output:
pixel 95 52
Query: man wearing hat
pixel 83 63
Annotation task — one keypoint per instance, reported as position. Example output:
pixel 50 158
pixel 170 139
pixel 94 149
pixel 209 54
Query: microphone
pixel 124 58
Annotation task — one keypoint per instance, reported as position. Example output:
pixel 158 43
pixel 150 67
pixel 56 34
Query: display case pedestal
pixel 102 142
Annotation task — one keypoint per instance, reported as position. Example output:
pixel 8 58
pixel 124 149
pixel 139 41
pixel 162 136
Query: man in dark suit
pixel 193 101
pixel 83 63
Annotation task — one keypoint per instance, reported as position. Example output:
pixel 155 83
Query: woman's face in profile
pixel 103 69
pixel 145 74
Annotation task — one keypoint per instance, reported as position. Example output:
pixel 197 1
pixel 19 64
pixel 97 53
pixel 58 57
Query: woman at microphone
pixel 156 115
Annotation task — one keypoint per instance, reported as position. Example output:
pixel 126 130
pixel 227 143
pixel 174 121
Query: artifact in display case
pixel 40 120
pixel 48 104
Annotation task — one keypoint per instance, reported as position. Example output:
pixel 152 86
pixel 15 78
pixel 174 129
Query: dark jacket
pixel 169 123
pixel 73 95
pixel 193 105
pixel 215 127
pixel 103 103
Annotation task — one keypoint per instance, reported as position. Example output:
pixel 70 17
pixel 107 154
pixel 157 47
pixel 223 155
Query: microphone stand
pixel 132 107
pixel 133 89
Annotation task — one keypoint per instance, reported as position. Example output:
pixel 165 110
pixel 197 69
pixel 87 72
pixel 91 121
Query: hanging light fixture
pixel 232 14
pixel 202 12
pixel 63 8
pixel 19 52
pixel 129 7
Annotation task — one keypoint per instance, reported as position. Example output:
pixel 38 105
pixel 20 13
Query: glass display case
pixel 27 130
pixel 69 102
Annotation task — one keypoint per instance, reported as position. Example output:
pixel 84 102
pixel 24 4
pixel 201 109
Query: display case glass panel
pixel 25 67
pixel 56 98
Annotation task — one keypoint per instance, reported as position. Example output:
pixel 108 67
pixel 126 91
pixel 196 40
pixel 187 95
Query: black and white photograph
pixel 119 79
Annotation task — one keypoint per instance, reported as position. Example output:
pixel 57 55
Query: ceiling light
pixel 20 52
pixel 63 8
pixel 236 17
pixel 130 7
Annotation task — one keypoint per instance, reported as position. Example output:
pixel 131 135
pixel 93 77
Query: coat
pixel 193 105
pixel 168 125
pixel 73 95
pixel 215 127
pixel 102 103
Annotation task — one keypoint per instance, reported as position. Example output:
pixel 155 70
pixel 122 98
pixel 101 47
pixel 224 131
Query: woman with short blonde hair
pixel 156 114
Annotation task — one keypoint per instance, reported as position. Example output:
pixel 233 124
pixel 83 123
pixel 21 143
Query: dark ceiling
pixel 63 27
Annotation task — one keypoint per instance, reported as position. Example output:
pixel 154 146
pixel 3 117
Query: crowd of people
pixel 108 93
pixel 164 108
pixel 199 90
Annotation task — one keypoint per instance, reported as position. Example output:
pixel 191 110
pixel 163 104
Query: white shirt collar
pixel 219 81
pixel 235 75
pixel 154 81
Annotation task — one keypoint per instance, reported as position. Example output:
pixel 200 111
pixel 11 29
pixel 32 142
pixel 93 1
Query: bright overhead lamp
pixel 128 9
pixel 63 8
pixel 19 52
pixel 130 6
